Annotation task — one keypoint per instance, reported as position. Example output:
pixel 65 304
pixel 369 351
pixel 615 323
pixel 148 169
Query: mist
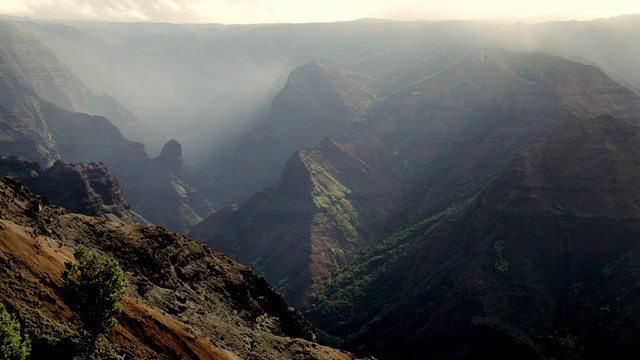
pixel 210 86
pixel 287 11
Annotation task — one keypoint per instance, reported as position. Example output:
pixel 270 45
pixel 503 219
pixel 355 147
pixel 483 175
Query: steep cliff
pixel 456 130
pixel 435 146
pixel 423 151
pixel 40 131
pixel 164 195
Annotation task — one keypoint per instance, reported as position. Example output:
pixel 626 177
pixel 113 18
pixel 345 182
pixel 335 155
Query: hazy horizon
pixel 287 11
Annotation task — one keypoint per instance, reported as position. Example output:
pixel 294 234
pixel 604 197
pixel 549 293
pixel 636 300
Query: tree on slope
pixel 94 285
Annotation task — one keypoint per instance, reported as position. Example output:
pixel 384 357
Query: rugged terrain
pixel 431 147
pixel 163 193
pixel 541 264
pixel 184 300
pixel 38 67
pixel 414 184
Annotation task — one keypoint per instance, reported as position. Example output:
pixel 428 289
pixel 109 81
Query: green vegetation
pixel 13 345
pixel 529 71
pixel 50 338
pixel 247 224
pixel 363 288
pixel 619 263
pixel 331 196
pixel 501 265
pixel 566 346
pixel 94 286
pixel 180 190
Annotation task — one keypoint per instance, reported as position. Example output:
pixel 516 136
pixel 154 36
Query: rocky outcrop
pixel 82 138
pixel 84 188
pixel 163 195
pixel 19 168
pixel 171 159
pixel 87 189
pixel 183 299
pixel 155 187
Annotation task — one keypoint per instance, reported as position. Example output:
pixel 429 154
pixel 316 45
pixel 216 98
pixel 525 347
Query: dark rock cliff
pixel 87 189
pixel 437 144
pixel 164 195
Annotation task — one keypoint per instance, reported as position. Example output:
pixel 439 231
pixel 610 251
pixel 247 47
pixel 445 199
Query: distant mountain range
pixel 453 190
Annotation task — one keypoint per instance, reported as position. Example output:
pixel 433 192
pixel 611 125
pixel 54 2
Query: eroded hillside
pixel 183 299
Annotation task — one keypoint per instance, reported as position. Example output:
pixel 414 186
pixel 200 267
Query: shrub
pixel 13 346
pixel 94 286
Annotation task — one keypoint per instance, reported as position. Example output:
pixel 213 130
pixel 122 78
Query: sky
pixel 300 11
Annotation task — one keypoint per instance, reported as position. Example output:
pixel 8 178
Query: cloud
pixel 224 11
pixel 114 10
pixel 509 9
pixel 261 11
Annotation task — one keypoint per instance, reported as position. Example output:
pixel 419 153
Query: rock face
pixel 457 129
pixel 434 146
pixel 164 195
pixel 87 189
pixel 20 121
pixel 183 299
pixel 580 191
pixel 171 159
pixel 156 188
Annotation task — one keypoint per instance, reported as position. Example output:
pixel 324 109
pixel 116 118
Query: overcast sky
pixel 267 11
